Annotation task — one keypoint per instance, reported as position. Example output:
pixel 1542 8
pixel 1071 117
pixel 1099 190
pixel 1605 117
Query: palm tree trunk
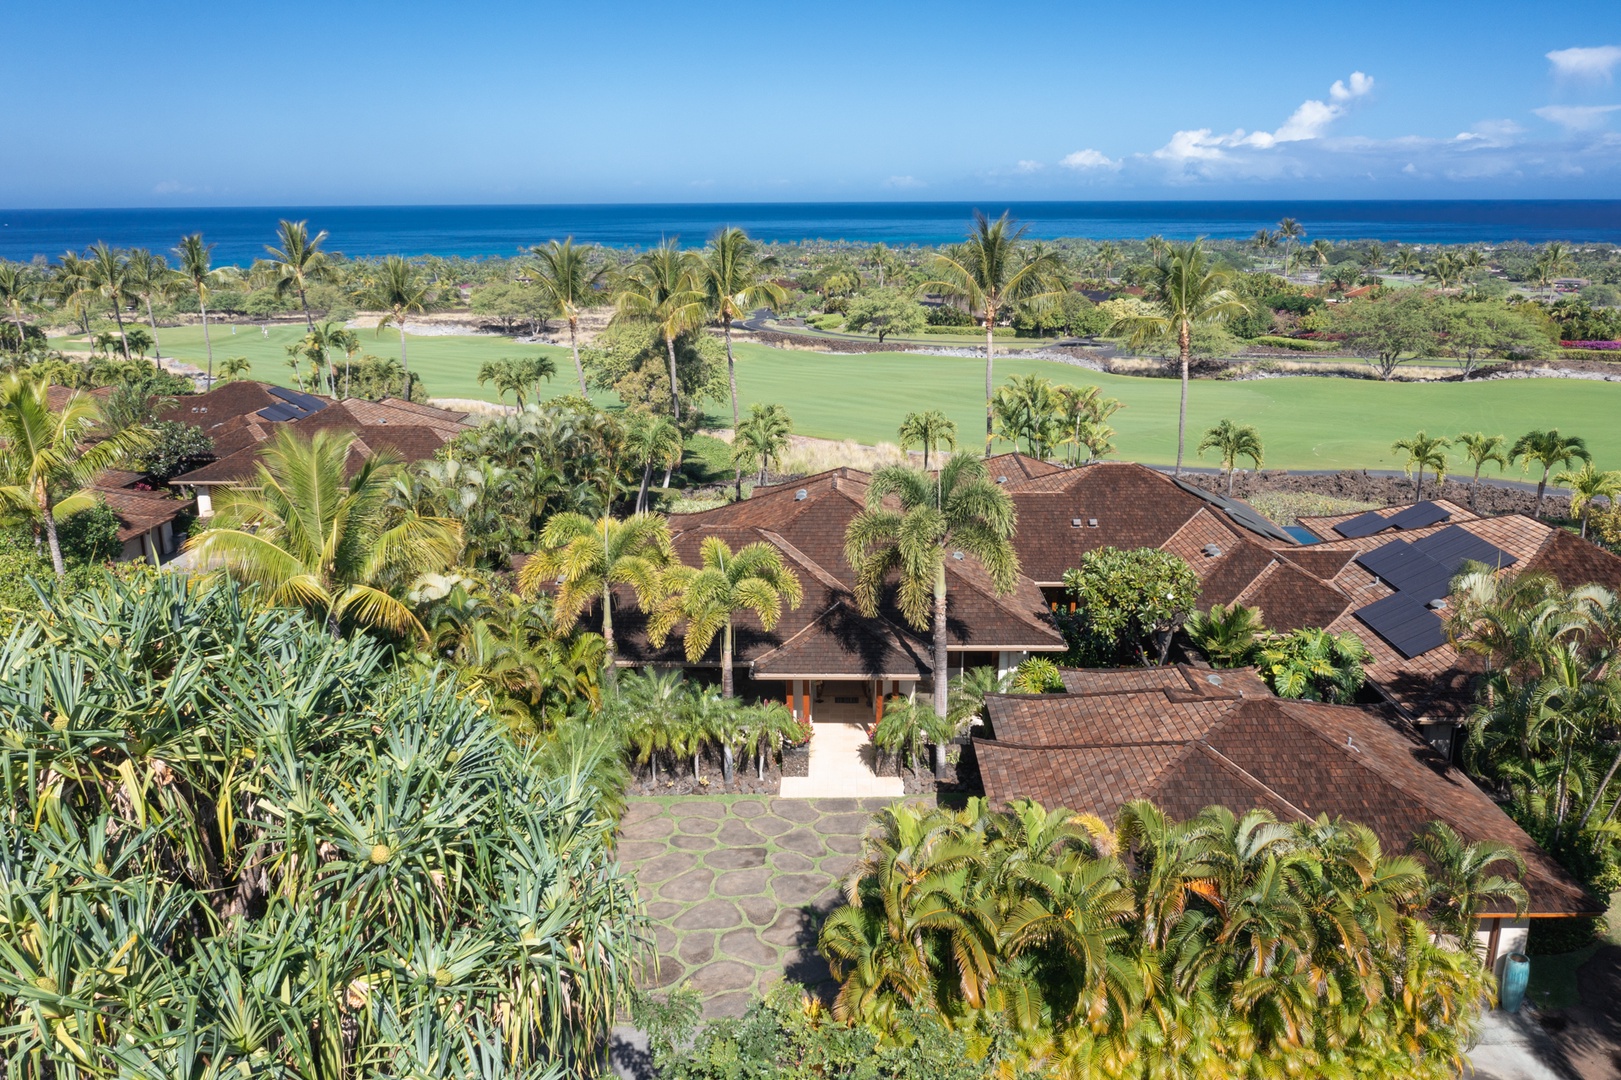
pixel 669 467
pixel 990 323
pixel 1418 488
pixel 157 347
pixel 610 673
pixel 726 661
pixel 1542 485
pixel 119 315
pixel 941 664
pixel 22 341
pixel 1584 521
pixel 1230 470
pixel 405 365
pixel 207 344
pixel 574 346
pixel 647 478
pixel 309 323
pixel 50 534
pixel 1598 796
pixel 731 370
pixel 675 390
pixel 1185 342
pixel 1474 487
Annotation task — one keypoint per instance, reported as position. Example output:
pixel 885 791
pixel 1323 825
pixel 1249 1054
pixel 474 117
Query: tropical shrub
pixel 90 536
pixel 1128 604
pixel 175 448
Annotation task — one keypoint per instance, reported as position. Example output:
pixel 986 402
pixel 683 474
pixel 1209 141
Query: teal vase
pixel 1511 988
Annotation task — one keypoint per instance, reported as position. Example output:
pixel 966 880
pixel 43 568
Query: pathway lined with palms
pixel 841 767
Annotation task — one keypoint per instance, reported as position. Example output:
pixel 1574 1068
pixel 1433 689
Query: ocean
pixel 240 233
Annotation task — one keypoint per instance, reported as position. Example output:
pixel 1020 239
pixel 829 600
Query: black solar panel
pixel 1362 525
pixel 1406 569
pixel 1411 628
pixel 1419 516
pixel 282 412
pixel 1454 545
pixel 305 403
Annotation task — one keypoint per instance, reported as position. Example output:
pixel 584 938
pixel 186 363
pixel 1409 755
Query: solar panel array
pixel 1362 525
pixel 294 405
pixel 1418 516
pixel 1421 572
pixel 282 412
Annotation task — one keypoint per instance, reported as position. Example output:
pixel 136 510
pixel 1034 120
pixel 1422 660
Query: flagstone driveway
pixel 737 888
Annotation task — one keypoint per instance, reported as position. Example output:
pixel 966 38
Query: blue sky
pixel 183 104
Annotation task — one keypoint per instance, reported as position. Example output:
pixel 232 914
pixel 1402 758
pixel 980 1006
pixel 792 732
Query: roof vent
pixel 1091 523
pixel 1075 523
pixel 1213 680
pixel 1351 745
pixel 801 495
pixel 957 555
pixel 1211 550
pixel 1001 479
pixel 1438 604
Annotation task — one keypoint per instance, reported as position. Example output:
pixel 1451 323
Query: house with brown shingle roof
pixel 240 416
pixel 1186 738
pixel 825 659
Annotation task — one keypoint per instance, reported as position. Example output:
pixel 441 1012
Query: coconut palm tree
pixel 736 280
pixel 1423 452
pixel 110 278
pixel 149 278
pixel 724 584
pixel 664 287
pixel 311 535
pixel 1189 292
pixel 73 286
pixel 48 460
pixel 1482 450
pixel 1461 878
pixel 515 375
pixel 929 429
pixel 1233 441
pixel 955 512
pixel 234 367
pixel 1290 232
pixel 760 440
pixel 1548 448
pixel 652 440
pixel 19 296
pixel 1106 257
pixel 1587 484
pixel 584 559
pixel 349 341
pixel 990 273
pixel 400 290
pixel 567 283
pixel 1319 252
pixel 298 263
pixel 196 271
pixel 1408 262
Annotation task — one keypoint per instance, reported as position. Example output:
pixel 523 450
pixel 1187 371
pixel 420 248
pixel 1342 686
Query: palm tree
pixel 299 262
pixel 958 509
pixel 584 559
pixel 1408 261
pixel 515 375
pixel 1227 635
pixel 567 283
pixel 1233 441
pixel 1587 484
pixel 1189 293
pixel 109 276
pixel 234 367
pixel 652 440
pixel 1290 232
pixel 19 293
pixel 736 281
pixel 48 460
pixel 1548 448
pixel 755 578
pixel 1482 449
pixel 73 285
pixel 1461 878
pixel 312 536
pixel 400 290
pixel 761 439
pixel 989 273
pixel 1106 257
pixel 663 286
pixel 1423 452
pixel 196 270
pixel 349 341
pixel 149 277
pixel 1553 260
pixel 929 429
pixel 1320 251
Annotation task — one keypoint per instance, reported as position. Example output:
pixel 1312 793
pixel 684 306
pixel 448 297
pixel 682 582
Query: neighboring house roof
pixel 827 637
pixel 1188 738
pixel 142 511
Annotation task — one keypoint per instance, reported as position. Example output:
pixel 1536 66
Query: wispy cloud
pixel 1030 166
pixel 1577 117
pixel 1089 159
pixel 903 182
pixel 1593 64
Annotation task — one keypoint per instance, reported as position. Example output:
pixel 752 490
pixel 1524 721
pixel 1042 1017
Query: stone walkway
pixel 737 888
pixel 841 767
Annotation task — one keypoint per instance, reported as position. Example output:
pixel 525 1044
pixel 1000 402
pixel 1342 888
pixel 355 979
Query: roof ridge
pixel 1228 763
pixel 817 570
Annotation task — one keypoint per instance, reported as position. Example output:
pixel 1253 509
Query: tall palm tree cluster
pixel 1544 450
pixel 237 844
pixel 665 719
pixel 1047 416
pixel 1222 946
pixel 1543 727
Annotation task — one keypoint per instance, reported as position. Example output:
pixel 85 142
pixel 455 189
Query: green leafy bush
pixel 1128 603
pixel 1272 341
pixel 90 536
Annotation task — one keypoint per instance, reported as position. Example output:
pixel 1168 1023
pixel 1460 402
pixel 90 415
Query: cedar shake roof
pixel 142 511
pixel 1119 736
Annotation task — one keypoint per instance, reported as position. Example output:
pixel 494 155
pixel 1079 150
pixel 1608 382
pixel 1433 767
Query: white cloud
pixel 1576 117
pixel 903 182
pixel 1030 166
pixel 1088 159
pixel 1354 87
pixel 1197 145
pixel 1594 63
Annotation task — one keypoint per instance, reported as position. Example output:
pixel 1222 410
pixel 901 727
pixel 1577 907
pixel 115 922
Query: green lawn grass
pixel 1307 423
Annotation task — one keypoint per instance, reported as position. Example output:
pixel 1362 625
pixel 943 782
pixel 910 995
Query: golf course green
pixel 1306 423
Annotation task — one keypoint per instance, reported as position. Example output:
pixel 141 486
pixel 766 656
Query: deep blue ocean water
pixel 240 233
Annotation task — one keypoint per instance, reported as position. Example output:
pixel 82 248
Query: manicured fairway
pixel 1307 423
